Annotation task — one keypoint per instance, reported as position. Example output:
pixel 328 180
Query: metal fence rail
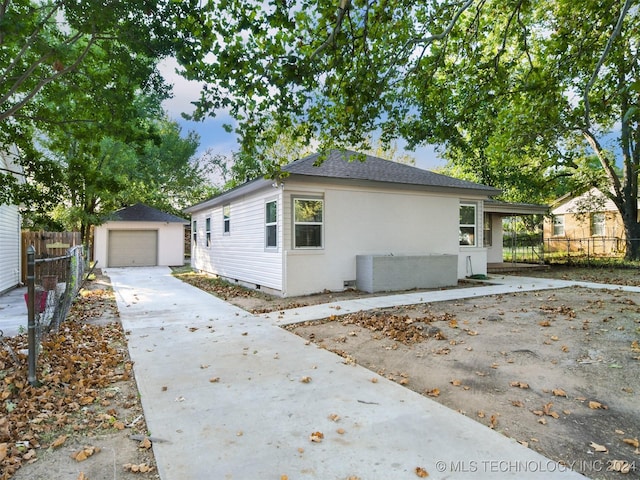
pixel 52 284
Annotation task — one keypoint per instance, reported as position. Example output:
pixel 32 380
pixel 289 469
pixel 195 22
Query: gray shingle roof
pixel 143 213
pixel 346 164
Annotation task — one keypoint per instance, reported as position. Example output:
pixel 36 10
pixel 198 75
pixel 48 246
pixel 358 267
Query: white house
pixel 10 226
pixel 140 236
pixel 374 224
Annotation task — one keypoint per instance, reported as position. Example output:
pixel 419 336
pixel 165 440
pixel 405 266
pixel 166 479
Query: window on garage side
pixel 226 219
pixel 271 224
pixel 194 232
pixel 467 232
pixel 308 222
pixel 207 230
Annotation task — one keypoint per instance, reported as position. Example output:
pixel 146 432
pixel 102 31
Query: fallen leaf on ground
pixel 632 441
pixel 334 417
pixel 456 383
pixel 421 472
pixel 85 453
pixel 82 476
pixel 598 448
pixel 596 405
pixel 558 392
pixel 434 392
pixel 58 442
pixel 316 437
pixel 138 468
pixel 517 403
pixel 145 444
pixel 522 385
pixel 214 379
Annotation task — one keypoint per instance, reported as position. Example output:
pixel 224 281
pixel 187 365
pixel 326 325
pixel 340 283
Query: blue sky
pixel 214 137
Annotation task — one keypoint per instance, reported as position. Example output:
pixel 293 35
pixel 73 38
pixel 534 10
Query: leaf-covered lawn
pixel 80 369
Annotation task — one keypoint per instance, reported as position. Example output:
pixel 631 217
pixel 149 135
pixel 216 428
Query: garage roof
pixel 143 213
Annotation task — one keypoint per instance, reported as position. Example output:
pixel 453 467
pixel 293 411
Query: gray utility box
pixel 387 273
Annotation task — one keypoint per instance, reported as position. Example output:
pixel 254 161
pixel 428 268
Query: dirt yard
pixel 556 370
pixel 85 421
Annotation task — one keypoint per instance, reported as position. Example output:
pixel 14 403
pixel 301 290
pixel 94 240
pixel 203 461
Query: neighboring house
pixel 589 222
pixel 376 225
pixel 10 226
pixel 140 236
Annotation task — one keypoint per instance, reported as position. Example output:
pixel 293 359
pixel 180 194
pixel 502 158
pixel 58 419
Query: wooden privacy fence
pixel 47 245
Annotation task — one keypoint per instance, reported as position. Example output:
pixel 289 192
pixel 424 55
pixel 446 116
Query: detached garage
pixel 140 236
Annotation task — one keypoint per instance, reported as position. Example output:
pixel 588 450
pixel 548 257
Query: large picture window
pixel 271 224
pixel 308 222
pixel 467 233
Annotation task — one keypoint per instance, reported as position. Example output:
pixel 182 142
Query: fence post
pixel 31 314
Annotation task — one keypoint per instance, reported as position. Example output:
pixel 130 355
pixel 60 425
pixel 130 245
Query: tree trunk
pixel 632 231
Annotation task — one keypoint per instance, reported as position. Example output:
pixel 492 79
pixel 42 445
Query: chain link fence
pixel 52 284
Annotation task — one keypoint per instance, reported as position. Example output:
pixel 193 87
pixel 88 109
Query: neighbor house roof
pixel 143 213
pixel 345 164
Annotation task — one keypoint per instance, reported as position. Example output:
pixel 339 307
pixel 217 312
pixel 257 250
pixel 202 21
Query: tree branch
pixel 344 6
pixel 603 56
pixel 42 83
pixel 606 165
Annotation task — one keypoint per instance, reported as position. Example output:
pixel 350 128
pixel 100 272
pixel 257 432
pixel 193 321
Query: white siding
pixel 9 247
pixel 241 254
pixel 10 263
pixel 573 205
pixel 170 241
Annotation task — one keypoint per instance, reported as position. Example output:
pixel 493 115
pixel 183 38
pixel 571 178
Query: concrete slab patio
pixel 229 395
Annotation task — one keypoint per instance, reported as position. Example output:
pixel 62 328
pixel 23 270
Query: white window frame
pixel 598 225
pixel 226 219
pixel 297 223
pixel 473 225
pixel 558 226
pixel 207 231
pixel 268 225
pixel 194 232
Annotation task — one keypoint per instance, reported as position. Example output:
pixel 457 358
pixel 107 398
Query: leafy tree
pixel 516 92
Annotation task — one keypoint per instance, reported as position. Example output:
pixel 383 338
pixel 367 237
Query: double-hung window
pixel 271 224
pixel 558 225
pixel 308 222
pixel 597 224
pixel 226 219
pixel 467 232
pixel 207 231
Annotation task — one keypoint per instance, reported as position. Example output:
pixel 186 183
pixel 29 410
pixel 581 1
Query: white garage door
pixel 133 248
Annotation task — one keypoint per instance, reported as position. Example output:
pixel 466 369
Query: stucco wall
pixel 366 221
pixel 170 240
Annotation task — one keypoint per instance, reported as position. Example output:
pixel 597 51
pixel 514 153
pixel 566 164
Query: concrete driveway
pixel 228 395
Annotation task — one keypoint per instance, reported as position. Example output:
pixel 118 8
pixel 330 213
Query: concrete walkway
pixel 224 396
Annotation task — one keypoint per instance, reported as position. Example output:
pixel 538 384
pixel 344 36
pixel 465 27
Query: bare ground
pixel 85 421
pixel 557 370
